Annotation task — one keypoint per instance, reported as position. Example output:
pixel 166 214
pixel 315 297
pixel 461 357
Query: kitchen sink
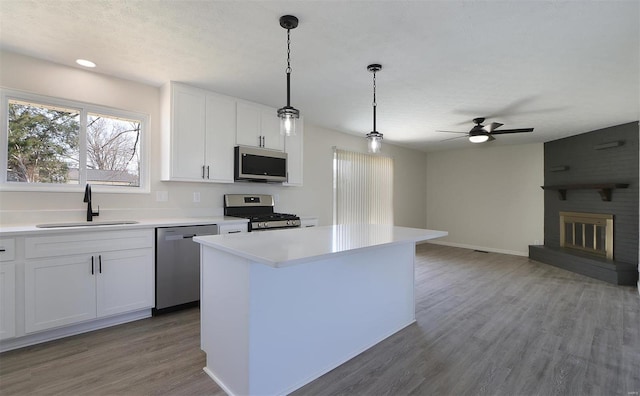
pixel 85 224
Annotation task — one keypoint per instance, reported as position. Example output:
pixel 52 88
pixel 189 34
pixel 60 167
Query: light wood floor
pixel 486 324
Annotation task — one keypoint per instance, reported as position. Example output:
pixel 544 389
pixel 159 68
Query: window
pixel 363 188
pixel 52 144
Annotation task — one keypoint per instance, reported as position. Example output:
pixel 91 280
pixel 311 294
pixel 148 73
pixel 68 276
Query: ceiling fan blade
pixel 453 132
pixel 453 138
pixel 492 127
pixel 503 131
pixel 491 138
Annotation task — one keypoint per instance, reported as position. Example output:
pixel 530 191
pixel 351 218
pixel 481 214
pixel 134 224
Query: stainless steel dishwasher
pixel 178 266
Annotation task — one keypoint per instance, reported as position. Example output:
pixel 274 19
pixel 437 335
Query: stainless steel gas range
pixel 258 208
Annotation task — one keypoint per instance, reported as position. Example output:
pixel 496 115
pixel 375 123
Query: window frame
pixel 85 108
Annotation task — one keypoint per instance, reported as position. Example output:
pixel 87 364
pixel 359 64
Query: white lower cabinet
pixel 126 282
pixel 7 300
pixel 58 292
pixel 100 280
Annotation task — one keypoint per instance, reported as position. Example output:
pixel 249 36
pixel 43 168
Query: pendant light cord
pixel 374 102
pixel 288 68
pixel 288 51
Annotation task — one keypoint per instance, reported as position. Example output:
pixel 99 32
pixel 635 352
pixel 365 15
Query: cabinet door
pixel 270 129
pixel 187 133
pixel 58 292
pixel 7 300
pixel 248 125
pixel 294 146
pixel 220 138
pixel 124 281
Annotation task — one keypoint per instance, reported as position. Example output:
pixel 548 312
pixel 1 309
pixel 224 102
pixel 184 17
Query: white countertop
pixel 282 248
pixel 15 230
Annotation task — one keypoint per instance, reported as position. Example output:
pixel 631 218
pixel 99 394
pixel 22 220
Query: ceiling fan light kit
pixel 288 115
pixel 483 133
pixel 374 137
pixel 481 138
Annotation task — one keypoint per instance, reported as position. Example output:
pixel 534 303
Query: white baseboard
pixel 483 248
pixel 218 381
pixel 61 332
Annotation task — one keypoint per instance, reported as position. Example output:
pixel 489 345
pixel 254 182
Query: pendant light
pixel 374 137
pixel 288 115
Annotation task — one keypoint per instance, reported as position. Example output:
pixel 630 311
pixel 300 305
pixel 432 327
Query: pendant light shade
pixel 288 115
pixel 375 142
pixel 374 137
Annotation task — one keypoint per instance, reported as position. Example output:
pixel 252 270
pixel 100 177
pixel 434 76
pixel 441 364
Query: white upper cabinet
pixel 197 134
pixel 219 138
pixel 187 132
pixel 258 126
pixel 200 129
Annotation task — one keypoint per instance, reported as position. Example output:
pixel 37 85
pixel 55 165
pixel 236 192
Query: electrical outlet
pixel 162 196
pixel 196 197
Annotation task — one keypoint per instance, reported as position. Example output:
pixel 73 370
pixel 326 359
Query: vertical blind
pixel 363 188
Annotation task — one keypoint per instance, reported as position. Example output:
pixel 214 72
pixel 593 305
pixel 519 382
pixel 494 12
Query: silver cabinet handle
pixel 100 263
pixel 92 272
pixel 207 171
pixel 234 232
pixel 203 171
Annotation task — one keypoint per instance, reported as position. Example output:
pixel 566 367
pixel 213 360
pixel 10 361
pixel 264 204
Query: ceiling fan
pixel 483 133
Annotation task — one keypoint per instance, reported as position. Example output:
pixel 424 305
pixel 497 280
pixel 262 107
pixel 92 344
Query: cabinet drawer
pixel 308 222
pixel 232 228
pixel 88 242
pixel 7 249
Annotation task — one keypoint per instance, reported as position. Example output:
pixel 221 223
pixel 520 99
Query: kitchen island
pixel 281 308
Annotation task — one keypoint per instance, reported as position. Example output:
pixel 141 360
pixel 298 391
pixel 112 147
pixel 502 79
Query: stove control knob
pixel 262 225
pixel 288 222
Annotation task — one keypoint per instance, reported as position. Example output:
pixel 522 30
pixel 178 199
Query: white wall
pixel 487 197
pixel 314 198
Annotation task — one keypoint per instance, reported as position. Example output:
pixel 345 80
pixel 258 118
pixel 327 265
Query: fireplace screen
pixel 588 232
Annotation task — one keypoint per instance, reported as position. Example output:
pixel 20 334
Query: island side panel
pixel 224 316
pixel 308 319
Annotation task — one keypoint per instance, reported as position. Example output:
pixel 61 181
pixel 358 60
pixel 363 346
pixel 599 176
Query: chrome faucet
pixel 87 199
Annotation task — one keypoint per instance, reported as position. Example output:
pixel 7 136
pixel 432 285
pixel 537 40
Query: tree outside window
pixel 44 146
pixel 113 155
pixel 43 143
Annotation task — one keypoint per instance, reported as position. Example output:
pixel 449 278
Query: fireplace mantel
pixel 604 189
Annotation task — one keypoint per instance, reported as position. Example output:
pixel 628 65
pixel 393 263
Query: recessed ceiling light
pixel 85 63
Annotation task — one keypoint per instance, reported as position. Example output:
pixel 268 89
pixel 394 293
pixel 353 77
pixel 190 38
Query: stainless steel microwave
pixel 261 165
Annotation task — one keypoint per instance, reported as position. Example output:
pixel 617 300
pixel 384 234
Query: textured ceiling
pixel 562 67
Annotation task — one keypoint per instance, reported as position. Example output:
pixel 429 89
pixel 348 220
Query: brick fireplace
pixel 591 204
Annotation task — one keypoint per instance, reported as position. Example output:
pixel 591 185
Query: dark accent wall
pixel 588 165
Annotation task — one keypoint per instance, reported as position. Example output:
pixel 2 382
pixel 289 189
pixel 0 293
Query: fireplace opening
pixel 587 232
